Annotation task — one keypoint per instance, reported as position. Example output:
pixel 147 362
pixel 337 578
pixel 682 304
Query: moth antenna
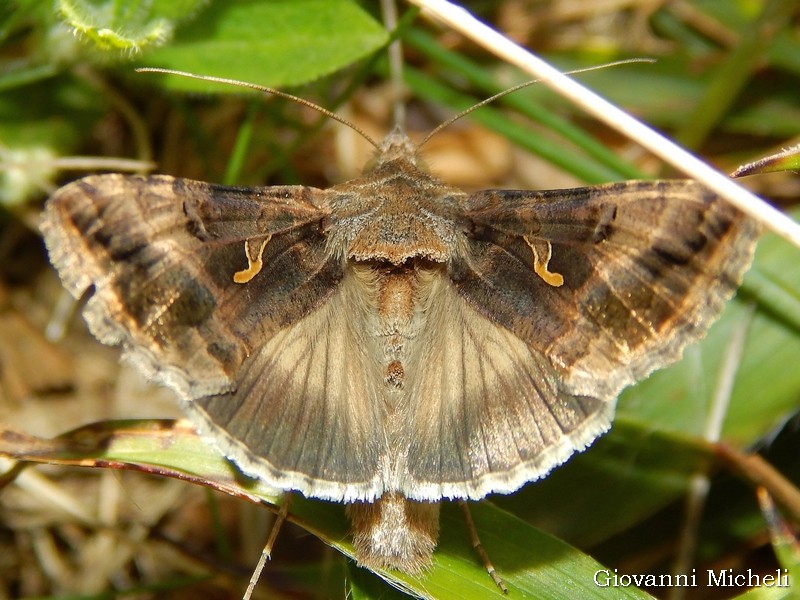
pixel 266 90
pixel 395 50
pixel 513 89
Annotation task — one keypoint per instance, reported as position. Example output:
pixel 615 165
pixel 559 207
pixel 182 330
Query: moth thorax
pixel 397 239
pixel 395 532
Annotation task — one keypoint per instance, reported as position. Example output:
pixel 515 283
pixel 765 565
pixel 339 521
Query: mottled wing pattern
pixel 525 372
pixel 647 267
pixel 161 254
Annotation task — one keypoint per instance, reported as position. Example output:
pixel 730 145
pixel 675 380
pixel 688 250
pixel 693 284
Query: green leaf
pixel 534 564
pixel 274 43
pixel 768 593
pixel 641 471
pixel 163 447
pixel 130 25
pixel 362 585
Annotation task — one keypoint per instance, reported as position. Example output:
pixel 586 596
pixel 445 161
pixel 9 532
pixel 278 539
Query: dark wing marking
pixel 647 267
pixel 161 253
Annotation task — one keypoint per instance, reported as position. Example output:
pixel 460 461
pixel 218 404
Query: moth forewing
pixel 393 342
pixel 157 251
pixel 647 267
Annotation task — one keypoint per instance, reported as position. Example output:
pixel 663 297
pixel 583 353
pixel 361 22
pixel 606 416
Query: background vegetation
pixel 725 83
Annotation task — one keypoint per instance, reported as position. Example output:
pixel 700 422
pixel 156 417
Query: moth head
pixel 396 211
pixel 396 147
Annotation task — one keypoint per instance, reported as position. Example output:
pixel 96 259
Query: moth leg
pixel 540 262
pixel 254 262
pixel 266 553
pixel 479 549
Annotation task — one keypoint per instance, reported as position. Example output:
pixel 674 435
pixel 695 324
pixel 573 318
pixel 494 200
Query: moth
pixel 392 341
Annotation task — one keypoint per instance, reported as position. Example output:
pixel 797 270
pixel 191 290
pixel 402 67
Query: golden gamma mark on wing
pixel 541 261
pixel 254 261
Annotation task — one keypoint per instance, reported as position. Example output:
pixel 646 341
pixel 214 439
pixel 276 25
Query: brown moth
pixel 392 342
